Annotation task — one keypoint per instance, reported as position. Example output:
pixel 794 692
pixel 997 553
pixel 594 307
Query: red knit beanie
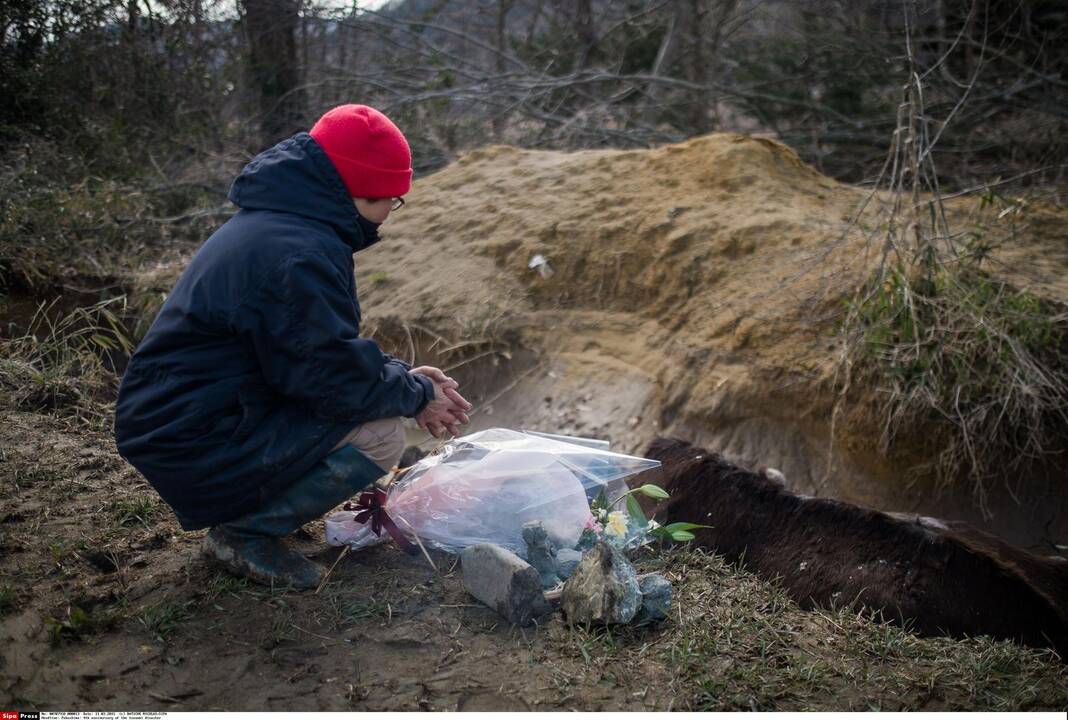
pixel 368 150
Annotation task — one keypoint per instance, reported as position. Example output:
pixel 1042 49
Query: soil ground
pixel 108 606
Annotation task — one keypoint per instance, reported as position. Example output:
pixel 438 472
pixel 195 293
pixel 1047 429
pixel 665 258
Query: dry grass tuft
pixel 63 362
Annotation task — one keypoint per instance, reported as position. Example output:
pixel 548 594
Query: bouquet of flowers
pixel 482 488
pixel 628 527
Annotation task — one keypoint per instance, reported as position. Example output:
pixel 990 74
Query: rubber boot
pixel 252 545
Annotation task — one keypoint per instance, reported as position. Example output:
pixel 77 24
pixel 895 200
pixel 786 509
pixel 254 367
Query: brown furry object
pixel 939 577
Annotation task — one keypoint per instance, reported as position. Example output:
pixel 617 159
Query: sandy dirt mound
pixel 694 292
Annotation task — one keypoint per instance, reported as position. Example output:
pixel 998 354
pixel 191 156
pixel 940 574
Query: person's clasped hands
pixel 448 410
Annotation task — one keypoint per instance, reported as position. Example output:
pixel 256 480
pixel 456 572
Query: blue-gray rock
pixel 541 553
pixel 603 589
pixel 656 599
pixel 566 562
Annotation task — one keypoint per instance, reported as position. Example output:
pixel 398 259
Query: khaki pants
pixel 380 440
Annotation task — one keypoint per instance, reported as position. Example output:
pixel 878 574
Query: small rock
pixel 541 553
pixel 603 589
pixel 411 455
pixel 566 562
pixel 656 599
pixel 774 475
pixel 504 582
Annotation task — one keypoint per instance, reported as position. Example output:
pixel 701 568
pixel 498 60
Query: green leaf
pixel 684 526
pixel 103 341
pixel 679 531
pixel 635 510
pixel 654 491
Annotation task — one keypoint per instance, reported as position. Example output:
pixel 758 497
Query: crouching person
pixel 252 405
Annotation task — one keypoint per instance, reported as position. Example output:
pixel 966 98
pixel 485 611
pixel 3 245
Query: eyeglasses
pixel 394 203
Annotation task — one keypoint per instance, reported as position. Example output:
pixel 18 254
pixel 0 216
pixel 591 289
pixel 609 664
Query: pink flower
pixel 591 523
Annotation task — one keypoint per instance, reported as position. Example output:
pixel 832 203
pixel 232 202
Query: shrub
pixel 981 363
pixel 970 369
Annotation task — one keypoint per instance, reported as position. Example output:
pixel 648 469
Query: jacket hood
pixel 296 176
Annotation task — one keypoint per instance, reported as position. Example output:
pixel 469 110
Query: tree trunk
pixel 696 68
pixel 273 70
pixel 131 16
pixel 587 34
pixel 499 118
pixel 342 44
pixel 664 57
pixel 711 52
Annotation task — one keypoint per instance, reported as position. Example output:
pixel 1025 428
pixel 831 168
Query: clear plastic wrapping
pixel 482 488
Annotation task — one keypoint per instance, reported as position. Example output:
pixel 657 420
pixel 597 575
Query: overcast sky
pixel 228 8
pixel 346 4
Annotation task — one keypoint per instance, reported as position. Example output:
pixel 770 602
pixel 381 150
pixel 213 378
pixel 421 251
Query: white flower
pixel 617 524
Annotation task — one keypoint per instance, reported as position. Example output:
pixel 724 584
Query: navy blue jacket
pixel 254 368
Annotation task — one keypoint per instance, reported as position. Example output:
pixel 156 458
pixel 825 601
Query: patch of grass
pixel 378 278
pixel 75 624
pixel 281 624
pixel 19 473
pixel 223 583
pixel 982 364
pixel 735 642
pixel 30 471
pixel 61 363
pixel 164 619
pixel 83 617
pixel 345 609
pixel 61 551
pixel 134 510
pixel 595 642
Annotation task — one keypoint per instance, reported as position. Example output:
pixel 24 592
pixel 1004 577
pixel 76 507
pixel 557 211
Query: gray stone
pixel 411 455
pixel 566 562
pixel 541 553
pixel 656 599
pixel 603 589
pixel 503 581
